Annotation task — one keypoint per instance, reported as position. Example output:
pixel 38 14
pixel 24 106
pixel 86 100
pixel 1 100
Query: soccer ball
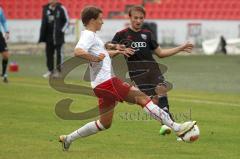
pixel 191 135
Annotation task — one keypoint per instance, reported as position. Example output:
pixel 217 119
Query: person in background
pixel 3 45
pixel 54 24
pixel 223 45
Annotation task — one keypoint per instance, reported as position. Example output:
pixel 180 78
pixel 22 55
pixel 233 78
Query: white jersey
pixel 99 71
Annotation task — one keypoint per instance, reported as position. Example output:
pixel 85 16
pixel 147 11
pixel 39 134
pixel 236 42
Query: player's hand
pixel 110 46
pixel 187 47
pixel 127 52
pixel 6 35
pixel 100 57
pixel 120 47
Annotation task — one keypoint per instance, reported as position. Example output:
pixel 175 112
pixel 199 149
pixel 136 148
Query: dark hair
pixel 136 8
pixel 88 13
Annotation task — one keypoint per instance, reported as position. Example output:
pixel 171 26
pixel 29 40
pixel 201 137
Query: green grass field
pixel 206 88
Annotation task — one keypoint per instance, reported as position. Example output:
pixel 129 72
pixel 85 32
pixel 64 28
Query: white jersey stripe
pixel 67 17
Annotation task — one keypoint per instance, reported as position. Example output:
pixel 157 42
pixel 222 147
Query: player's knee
pixel 161 90
pixel 106 122
pixel 155 99
pixel 107 125
pixel 5 55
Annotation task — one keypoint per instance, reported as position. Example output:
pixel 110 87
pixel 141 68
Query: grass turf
pixel 206 89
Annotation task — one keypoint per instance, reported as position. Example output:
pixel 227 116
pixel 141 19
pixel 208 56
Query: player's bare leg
pixel 106 117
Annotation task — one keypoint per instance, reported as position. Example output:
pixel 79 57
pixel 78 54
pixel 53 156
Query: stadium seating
pixel 164 9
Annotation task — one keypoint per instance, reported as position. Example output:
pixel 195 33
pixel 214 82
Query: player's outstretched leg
pixel 137 97
pixel 86 130
pixel 162 116
pixel 106 110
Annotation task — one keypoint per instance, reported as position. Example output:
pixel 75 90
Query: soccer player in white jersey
pixel 108 88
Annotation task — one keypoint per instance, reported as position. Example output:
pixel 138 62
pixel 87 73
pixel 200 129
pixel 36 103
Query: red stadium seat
pixel 169 9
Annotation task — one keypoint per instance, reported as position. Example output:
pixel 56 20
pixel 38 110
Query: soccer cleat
pixel 165 130
pixel 179 139
pixel 65 144
pixel 4 77
pixel 47 74
pixel 5 80
pixel 185 127
pixel 55 74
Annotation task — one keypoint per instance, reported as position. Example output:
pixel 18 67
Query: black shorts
pixel 146 76
pixel 3 44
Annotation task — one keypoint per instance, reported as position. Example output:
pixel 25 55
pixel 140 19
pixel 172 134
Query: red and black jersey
pixel 142 41
pixel 142 67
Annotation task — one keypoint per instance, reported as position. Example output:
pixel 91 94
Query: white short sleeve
pixel 99 71
pixel 86 41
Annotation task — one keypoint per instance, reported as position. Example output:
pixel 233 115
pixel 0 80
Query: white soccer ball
pixel 192 135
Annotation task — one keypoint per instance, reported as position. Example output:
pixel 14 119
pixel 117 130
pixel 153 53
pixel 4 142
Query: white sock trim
pixel 99 125
pixel 150 106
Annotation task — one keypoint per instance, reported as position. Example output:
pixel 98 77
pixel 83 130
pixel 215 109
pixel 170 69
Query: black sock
pixel 4 66
pixel 163 104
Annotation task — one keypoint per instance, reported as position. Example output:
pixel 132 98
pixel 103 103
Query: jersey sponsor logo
pixel 135 45
pixel 144 36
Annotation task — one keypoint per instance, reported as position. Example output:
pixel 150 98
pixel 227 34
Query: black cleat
pixel 5 80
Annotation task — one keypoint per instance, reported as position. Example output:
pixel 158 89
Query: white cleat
pixel 179 139
pixel 5 80
pixel 185 127
pixel 56 74
pixel 47 74
pixel 65 144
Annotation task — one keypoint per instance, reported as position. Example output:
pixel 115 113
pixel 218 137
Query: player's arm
pixel 78 52
pixel 111 49
pixel 83 46
pixel 65 19
pixel 3 21
pixel 161 53
pixel 116 49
